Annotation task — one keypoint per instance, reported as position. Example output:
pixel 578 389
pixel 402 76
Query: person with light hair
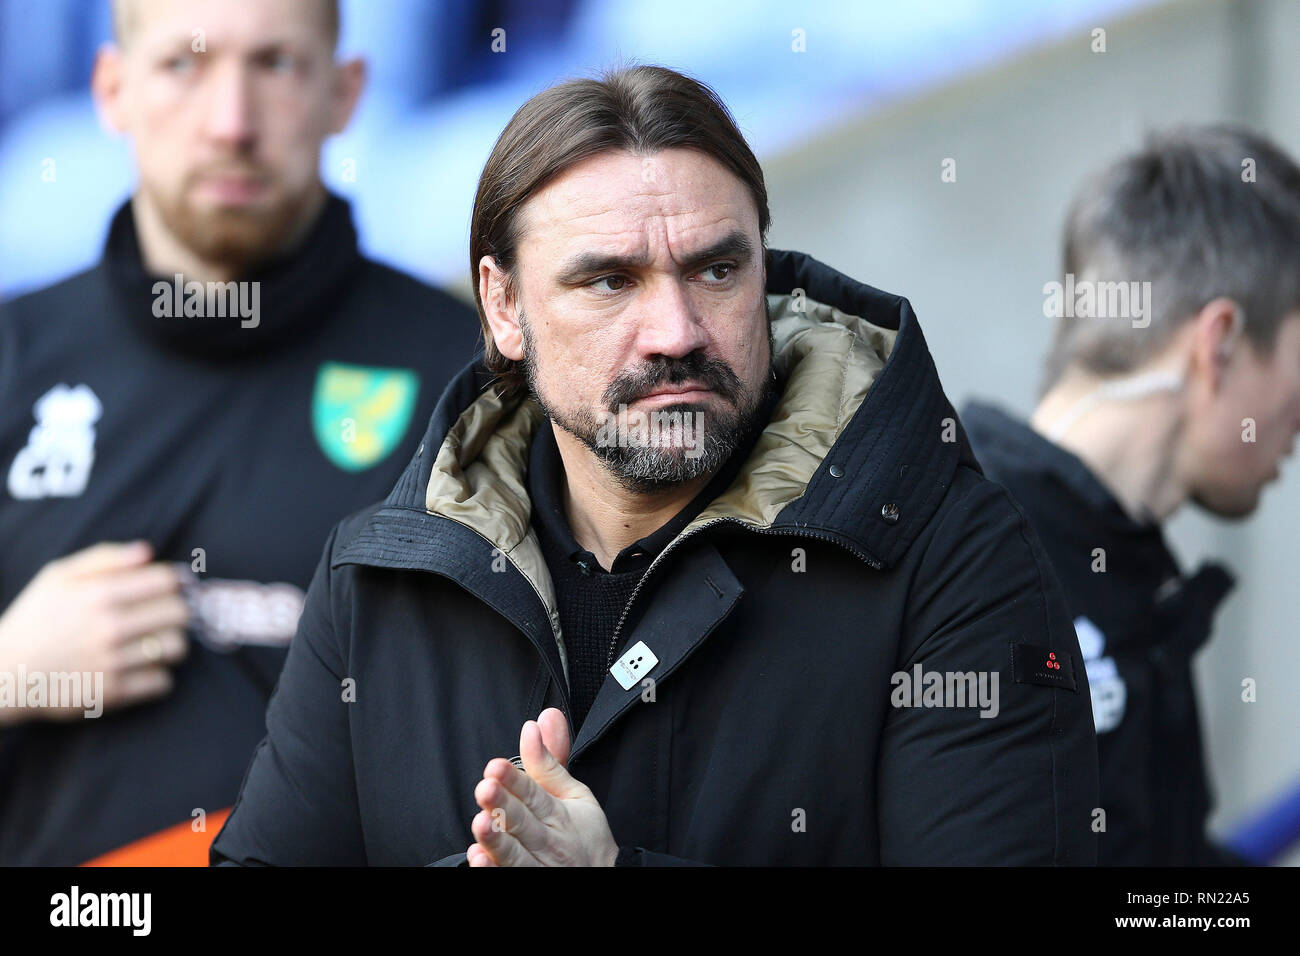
pixel 1189 395
pixel 182 425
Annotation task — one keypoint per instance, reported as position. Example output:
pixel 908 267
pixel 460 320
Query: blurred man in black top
pixel 1174 377
pixel 183 423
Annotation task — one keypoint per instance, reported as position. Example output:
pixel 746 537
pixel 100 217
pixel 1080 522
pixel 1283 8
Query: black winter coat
pixel 858 544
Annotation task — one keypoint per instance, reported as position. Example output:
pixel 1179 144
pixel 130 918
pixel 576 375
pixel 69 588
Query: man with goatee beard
pixel 651 590
pixel 181 426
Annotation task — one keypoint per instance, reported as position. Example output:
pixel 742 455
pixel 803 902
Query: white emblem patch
pixel 1108 690
pixel 634 665
pixel 56 461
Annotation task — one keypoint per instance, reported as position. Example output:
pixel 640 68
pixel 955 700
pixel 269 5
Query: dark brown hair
pixel 642 109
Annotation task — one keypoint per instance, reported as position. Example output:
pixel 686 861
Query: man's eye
pixel 721 271
pixel 619 286
pixel 279 62
pixel 178 64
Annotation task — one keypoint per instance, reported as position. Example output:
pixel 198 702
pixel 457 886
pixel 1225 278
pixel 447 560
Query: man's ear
pixel 1215 330
pixel 499 308
pixel 349 81
pixel 106 81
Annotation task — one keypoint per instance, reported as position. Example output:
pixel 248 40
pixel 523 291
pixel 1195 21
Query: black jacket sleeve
pixel 1020 785
pixel 297 805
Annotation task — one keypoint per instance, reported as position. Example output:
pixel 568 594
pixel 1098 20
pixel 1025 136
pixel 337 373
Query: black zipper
pixel 793 532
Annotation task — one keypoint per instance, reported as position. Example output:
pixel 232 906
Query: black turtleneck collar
pixel 293 295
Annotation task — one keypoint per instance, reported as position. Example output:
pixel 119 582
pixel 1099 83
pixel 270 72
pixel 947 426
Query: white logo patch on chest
pixel 634 665
pixel 1109 693
pixel 56 461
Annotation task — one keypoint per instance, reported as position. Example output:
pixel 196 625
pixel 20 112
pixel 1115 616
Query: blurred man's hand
pixel 107 609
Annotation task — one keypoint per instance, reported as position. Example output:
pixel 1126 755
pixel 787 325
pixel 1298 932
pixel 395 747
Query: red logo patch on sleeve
pixel 1035 664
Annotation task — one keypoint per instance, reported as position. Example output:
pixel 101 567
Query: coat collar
pixel 859 450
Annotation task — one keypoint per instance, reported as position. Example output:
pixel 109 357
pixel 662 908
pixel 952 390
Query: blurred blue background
pixel 438 97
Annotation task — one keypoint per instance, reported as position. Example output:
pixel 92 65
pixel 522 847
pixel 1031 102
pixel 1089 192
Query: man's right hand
pixel 109 609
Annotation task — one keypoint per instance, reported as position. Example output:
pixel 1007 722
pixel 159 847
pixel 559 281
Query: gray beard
pixel 645 467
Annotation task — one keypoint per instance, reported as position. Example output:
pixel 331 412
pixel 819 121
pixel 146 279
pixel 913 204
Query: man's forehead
pixel 613 200
pixel 224 23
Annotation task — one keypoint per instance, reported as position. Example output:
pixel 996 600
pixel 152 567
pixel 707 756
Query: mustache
pixel 243 170
pixel 636 383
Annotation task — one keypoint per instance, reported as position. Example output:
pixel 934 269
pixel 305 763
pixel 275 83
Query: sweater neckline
pixel 292 296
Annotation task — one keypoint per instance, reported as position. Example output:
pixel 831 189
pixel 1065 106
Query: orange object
pixel 178 845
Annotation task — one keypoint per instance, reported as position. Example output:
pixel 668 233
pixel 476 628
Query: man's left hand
pixel 543 816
